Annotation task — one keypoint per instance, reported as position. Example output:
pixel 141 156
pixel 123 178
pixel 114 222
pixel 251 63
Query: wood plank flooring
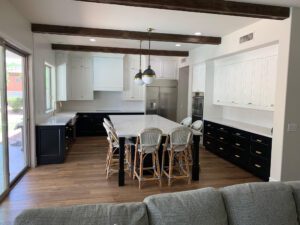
pixel 81 180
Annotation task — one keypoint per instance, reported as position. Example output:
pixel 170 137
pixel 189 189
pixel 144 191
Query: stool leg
pixel 158 168
pixel 141 170
pixel 135 163
pixel 171 159
pixel 187 166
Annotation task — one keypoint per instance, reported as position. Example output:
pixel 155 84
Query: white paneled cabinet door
pixel 62 85
pixel 246 80
pixel 170 69
pixel 199 73
pixel 81 78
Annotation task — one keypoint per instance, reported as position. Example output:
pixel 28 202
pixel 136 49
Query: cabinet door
pixel 199 73
pixel 62 77
pixel 156 65
pixel 81 79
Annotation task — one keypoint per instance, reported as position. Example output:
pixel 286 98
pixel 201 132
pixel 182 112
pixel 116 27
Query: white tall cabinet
pixel 164 67
pixel 247 80
pixel 199 72
pixel 81 78
pixel 74 78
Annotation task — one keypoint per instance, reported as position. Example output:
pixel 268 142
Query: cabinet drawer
pixel 209 143
pixel 209 132
pixel 222 149
pixel 222 129
pixel 239 156
pixel 260 150
pixel 260 167
pixel 223 137
pixel 209 125
pixel 240 134
pixel 261 140
pixel 241 144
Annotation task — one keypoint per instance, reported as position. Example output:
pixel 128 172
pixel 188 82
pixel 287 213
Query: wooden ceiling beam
pixel 85 48
pixel 208 6
pixel 123 34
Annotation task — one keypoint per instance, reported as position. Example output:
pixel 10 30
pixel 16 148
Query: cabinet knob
pixel 221 138
pixel 258 152
pixel 250 103
pixel 238 144
pixel 237 134
pixel 208 142
pixel 257 165
pixel 221 149
pixel 237 156
pixel 258 140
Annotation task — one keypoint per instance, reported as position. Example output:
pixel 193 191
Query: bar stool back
pixel 178 152
pixel 148 143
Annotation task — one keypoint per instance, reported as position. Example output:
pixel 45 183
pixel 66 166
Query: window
pixel 49 88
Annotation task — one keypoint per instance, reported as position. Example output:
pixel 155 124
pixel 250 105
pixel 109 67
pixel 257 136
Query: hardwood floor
pixel 81 180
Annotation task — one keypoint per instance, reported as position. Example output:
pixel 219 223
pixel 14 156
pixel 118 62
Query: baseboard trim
pixel 273 180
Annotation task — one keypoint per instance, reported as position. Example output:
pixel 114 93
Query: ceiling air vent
pixel 246 38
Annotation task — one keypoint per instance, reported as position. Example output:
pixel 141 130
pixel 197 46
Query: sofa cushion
pixel 296 191
pixel 260 204
pixel 103 214
pixel 198 207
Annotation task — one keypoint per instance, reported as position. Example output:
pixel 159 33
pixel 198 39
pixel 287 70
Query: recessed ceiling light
pixel 92 39
pixel 178 45
pixel 198 33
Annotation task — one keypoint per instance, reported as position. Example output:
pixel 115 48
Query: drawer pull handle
pixel 237 156
pixel 221 128
pixel 258 152
pixel 221 149
pixel 208 142
pixel 238 134
pixel 208 125
pixel 208 133
pixel 237 144
pixel 259 141
pixel 221 138
pixel 257 166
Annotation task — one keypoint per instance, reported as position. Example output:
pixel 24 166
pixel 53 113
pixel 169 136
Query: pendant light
pixel 138 77
pixel 149 74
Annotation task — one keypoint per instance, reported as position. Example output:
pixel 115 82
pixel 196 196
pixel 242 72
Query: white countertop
pixel 62 118
pixel 132 125
pixel 59 119
pixel 264 131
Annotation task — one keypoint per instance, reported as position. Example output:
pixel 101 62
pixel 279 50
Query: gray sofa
pixel 245 204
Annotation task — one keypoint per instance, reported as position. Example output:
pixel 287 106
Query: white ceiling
pixel 94 15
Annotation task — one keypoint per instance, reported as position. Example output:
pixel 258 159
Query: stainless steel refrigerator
pixel 161 98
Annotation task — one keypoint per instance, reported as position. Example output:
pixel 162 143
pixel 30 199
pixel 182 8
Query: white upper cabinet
pixel 81 78
pixel 74 78
pixel 132 91
pixel 247 80
pixel 164 67
pixel 199 73
pixel 108 73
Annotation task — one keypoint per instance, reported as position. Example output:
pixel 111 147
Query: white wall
pixel 266 32
pixel 14 27
pixel 42 54
pixel 291 153
pixel 103 101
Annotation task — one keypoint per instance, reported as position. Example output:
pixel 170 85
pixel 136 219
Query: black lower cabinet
pixel 91 124
pixel 247 150
pixel 51 145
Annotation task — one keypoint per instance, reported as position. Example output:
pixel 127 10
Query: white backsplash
pixel 250 116
pixel 104 101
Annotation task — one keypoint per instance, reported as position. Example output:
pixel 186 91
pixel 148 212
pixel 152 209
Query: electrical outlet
pixel 292 127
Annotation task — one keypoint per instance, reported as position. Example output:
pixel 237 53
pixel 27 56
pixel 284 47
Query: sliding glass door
pixel 13 114
pixel 16 112
pixel 3 165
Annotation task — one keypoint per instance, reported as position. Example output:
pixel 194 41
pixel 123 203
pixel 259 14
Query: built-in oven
pixel 197 107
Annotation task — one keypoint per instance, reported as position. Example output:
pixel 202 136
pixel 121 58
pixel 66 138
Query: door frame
pixel 4 117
